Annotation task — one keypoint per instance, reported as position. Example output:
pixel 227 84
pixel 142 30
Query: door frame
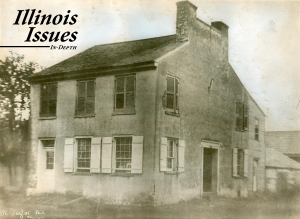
pixel 210 145
pixel 41 165
pixel 255 160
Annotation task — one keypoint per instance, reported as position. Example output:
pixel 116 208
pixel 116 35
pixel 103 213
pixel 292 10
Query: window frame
pixel 241 118
pixel 121 170
pixel 48 149
pixel 49 159
pixel 125 109
pixel 240 162
pixel 49 99
pixel 256 129
pixel 176 93
pixel 82 169
pixel 85 113
pixel 174 157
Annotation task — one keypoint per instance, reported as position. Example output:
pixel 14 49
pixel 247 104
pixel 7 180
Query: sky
pixel 264 48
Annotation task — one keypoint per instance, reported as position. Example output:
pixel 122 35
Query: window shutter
pixel 90 99
pixel 181 150
pixel 95 155
pixel 246 155
pixel 106 154
pixel 239 115
pixel 163 154
pixel 245 117
pixel 68 155
pixel 177 93
pixel 234 161
pixel 164 99
pixel 137 154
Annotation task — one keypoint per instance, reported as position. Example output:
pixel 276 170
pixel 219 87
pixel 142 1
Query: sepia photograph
pixel 149 109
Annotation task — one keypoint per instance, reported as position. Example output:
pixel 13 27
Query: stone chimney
pixel 219 25
pixel 186 15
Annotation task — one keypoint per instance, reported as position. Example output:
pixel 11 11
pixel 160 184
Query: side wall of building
pixel 257 147
pixel 208 89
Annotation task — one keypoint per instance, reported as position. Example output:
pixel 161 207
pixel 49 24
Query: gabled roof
pixel 278 160
pixel 287 142
pixel 115 54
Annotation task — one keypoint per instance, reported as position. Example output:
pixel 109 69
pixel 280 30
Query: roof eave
pixel 93 72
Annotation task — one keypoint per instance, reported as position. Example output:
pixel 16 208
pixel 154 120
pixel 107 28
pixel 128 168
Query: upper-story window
pixel 48 100
pixel 241 116
pixel 85 102
pixel 256 129
pixel 125 93
pixel 172 98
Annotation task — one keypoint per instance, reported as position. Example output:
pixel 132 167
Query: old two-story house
pixel 148 121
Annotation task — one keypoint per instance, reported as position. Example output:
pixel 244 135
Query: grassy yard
pixel 16 205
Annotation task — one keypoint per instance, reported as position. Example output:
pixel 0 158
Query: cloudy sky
pixel 264 48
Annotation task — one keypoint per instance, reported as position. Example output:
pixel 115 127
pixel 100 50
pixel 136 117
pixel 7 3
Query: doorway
pixel 255 175
pixel 46 165
pixel 210 170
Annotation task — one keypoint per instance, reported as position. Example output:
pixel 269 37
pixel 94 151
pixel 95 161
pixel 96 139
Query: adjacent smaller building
pixel 282 172
pixel 286 142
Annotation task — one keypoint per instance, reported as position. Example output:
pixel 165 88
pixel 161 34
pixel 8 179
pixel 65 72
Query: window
pixel 172 99
pixel 256 129
pixel 241 116
pixel 172 155
pixel 123 153
pixel 83 154
pixel 48 100
pixel 240 162
pixel 85 103
pixel 48 143
pixel 125 93
pixel 106 155
pixel 50 159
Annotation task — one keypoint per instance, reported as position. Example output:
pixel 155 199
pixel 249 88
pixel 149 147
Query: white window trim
pixel 174 110
pixel 46 149
pixel 114 160
pixel 176 161
pixel 245 163
pixel 124 109
pixel 75 160
pixel 175 147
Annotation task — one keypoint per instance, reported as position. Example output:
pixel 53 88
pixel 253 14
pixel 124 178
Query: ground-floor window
pixel 172 155
pixel 240 162
pixel 123 153
pixel 104 154
pixel 83 154
pixel 171 151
